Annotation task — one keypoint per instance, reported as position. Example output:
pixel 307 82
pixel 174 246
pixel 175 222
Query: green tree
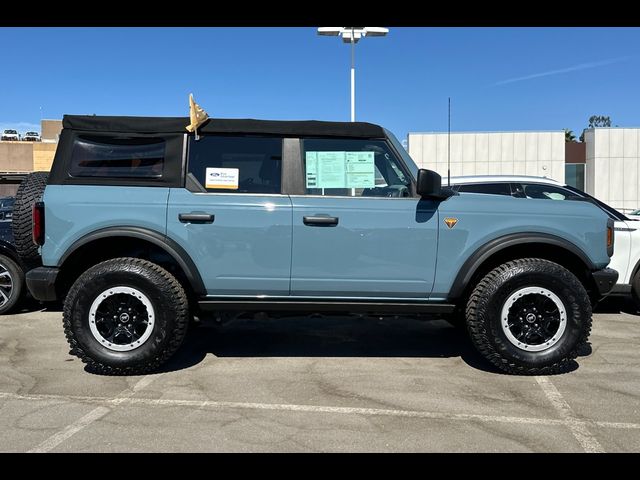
pixel 596 121
pixel 569 136
pixel 599 121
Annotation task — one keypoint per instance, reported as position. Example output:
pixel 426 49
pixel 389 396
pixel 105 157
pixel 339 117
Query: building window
pixel 574 175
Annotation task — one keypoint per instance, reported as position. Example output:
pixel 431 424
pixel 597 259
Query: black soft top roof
pixel 221 125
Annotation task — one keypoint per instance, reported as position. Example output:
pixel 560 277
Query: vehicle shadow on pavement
pixel 617 305
pixel 329 337
pixel 29 304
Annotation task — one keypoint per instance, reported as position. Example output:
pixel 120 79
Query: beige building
pixel 18 158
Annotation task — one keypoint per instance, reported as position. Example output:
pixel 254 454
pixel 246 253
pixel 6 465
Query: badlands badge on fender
pixel 450 222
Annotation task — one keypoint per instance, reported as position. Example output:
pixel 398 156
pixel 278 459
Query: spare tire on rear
pixel 29 192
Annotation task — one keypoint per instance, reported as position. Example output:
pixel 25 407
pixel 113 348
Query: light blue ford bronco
pixel 143 227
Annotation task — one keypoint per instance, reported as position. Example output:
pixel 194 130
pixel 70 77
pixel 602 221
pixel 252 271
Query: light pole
pixel 352 35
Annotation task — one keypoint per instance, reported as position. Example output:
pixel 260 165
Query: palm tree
pixel 569 136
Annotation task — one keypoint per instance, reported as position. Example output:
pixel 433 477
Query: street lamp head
pixel 355 33
pixel 375 31
pixel 330 31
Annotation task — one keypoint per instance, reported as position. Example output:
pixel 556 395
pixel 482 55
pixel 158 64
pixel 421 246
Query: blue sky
pixel 498 78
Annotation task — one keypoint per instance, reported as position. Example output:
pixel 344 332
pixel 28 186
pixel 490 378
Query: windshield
pixel 615 214
pixel 411 165
pixel 11 132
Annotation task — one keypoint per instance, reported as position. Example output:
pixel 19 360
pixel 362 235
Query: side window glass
pixel 548 192
pixel 237 164
pixel 354 168
pixel 518 191
pixel 102 156
pixel 487 188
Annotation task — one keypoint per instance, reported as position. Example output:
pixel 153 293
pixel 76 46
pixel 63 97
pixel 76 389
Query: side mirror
pixel 429 184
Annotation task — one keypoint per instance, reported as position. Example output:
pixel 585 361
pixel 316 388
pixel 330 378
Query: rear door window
pixel 235 164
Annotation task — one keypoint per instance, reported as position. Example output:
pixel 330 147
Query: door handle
pixel 196 217
pixel 320 221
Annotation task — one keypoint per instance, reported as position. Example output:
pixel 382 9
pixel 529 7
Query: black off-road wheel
pixel 11 284
pixel 529 317
pixel 29 192
pixel 125 316
pixel 635 290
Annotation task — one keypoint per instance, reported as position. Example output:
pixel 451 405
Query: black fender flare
pixel 167 244
pixel 477 258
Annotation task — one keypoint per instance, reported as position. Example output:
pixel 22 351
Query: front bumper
pixel 605 280
pixel 41 283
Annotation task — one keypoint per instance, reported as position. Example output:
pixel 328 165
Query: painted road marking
pixel 470 417
pixel 578 427
pixel 94 415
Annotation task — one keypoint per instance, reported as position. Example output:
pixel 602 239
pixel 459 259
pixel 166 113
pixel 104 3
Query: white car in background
pixel 626 252
pixel 31 137
pixel 10 136
pixel 635 215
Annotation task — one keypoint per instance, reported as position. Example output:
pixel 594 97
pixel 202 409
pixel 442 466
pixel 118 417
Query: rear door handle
pixel 196 217
pixel 320 221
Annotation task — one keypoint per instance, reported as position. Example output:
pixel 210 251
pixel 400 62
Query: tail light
pixel 38 223
pixel 610 236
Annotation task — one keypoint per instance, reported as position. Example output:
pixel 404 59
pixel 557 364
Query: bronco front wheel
pixel 529 316
pixel 125 316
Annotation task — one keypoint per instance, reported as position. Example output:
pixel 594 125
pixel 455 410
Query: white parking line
pixel 57 438
pixel 96 414
pixel 166 402
pixel 578 427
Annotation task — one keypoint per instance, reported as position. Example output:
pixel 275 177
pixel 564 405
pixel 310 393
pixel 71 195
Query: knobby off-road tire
pixel 11 284
pixel 106 299
pixel 29 192
pixel 505 300
pixel 635 290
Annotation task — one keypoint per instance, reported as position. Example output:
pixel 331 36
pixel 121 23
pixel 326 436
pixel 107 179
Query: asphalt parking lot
pixel 319 384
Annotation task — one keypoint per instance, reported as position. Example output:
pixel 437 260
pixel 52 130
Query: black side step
pixel 325 306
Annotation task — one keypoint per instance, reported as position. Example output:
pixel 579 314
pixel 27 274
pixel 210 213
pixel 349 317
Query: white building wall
pixel 612 172
pixel 495 153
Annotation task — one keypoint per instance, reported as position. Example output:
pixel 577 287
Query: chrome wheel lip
pixel 6 291
pixel 129 291
pixel 517 295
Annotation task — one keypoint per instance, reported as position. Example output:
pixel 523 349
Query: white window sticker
pixel 222 178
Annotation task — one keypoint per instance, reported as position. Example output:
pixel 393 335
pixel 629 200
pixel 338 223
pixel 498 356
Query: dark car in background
pixel 6 211
pixel 12 269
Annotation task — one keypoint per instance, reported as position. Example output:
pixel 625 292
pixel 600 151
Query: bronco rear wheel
pixel 125 316
pixel 529 316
